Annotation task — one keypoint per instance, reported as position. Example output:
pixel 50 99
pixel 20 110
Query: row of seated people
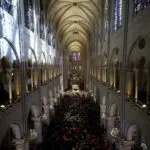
pixel 76 126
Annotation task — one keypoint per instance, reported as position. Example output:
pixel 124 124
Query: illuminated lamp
pixel 103 116
pixel 3 107
pixel 115 132
pixel 144 106
pixel 118 92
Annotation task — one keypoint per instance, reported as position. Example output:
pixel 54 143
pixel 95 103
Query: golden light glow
pixel 74 20
pixel 98 75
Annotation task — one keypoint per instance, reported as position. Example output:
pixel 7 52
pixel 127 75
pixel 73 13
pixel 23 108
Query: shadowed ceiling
pixel 74 21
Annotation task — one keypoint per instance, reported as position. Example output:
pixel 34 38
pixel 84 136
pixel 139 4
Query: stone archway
pixel 134 134
pixel 9 74
pixel 134 139
pixel 13 139
pixel 31 70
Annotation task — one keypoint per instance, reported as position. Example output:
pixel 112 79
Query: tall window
pixel 42 35
pixel 74 57
pixel 79 57
pixel 28 14
pixel 106 21
pixel 7 6
pixel 117 14
pixel 139 5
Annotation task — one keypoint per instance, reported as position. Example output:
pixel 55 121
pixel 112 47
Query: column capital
pixel 19 143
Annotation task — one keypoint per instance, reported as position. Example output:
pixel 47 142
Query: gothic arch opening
pixel 9 73
pixel 104 68
pixel 31 71
pixel 134 134
pixel 43 69
pixel 138 73
pixel 12 134
pixel 142 81
pixel 115 72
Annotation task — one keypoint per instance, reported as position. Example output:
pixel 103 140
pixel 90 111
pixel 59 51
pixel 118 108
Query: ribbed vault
pixel 73 21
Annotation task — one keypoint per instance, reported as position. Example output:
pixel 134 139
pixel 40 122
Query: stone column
pixel 126 145
pixel 26 145
pixel 26 70
pixel 103 116
pixel 105 73
pixel 16 83
pixel 41 75
pixel 129 83
pixel 20 144
pixel 38 128
pixel 35 78
pixel 46 112
pixel 148 85
pixel 136 84
pixel 31 78
pixel 120 81
pixel 110 124
pixel 10 86
pixel 114 78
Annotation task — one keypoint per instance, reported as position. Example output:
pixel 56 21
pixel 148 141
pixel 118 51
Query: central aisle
pixel 76 126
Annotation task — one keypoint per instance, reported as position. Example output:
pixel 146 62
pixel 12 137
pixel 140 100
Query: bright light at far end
pixel 2 106
pixel 143 106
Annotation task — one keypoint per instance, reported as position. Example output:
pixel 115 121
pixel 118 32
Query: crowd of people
pixel 76 126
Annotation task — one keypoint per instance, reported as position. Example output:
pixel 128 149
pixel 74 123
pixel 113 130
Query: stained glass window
pixel 117 14
pixel 42 35
pixel 49 39
pixel 106 21
pixel 28 14
pixel 139 5
pixel 74 57
pixel 79 56
pixel 7 5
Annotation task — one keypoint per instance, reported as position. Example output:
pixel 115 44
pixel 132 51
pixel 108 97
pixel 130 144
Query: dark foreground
pixel 76 126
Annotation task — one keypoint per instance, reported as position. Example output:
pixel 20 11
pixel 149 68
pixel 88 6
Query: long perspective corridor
pixel 74 74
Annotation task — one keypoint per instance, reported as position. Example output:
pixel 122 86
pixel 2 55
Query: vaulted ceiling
pixel 74 21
